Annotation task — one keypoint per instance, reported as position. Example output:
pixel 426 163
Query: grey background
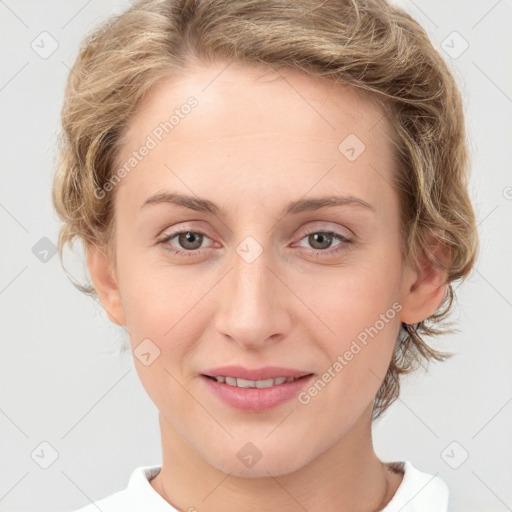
pixel 62 380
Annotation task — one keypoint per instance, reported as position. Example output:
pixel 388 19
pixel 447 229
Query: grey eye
pixel 320 240
pixel 189 240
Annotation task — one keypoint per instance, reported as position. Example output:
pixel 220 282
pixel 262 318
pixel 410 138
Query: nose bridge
pixel 252 280
pixel 252 307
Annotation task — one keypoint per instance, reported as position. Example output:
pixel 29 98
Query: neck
pixel 347 477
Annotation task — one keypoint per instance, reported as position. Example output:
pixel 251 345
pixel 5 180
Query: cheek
pixel 350 299
pixel 152 293
pixel 166 306
pixel 160 309
pixel 356 357
pixel 360 315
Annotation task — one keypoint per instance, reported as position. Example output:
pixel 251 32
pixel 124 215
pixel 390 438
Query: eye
pixel 321 241
pixel 189 241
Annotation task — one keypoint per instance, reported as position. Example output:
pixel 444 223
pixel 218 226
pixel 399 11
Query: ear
pixel 424 291
pixel 104 278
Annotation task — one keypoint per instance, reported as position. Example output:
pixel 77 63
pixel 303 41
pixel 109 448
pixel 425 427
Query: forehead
pixel 255 126
pixel 242 99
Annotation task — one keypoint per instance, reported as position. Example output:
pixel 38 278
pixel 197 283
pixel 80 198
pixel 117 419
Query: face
pixel 262 278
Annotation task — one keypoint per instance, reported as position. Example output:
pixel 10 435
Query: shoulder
pixel 418 492
pixel 138 495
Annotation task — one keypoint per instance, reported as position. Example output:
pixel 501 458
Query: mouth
pixel 259 384
pixel 257 390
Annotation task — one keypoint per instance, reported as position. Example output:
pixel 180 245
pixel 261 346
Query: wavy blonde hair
pixel 368 44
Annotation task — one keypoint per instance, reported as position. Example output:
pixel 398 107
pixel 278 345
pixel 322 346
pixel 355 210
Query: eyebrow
pixel 301 205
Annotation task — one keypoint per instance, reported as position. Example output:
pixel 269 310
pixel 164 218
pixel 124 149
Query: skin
pixel 257 140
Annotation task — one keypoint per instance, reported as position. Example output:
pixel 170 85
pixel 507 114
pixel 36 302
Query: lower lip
pixel 256 399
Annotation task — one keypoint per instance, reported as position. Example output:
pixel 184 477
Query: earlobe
pixel 424 293
pixel 104 280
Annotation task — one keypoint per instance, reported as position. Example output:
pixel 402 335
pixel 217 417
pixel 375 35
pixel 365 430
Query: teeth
pixel 242 383
pixel 264 383
pixel 260 384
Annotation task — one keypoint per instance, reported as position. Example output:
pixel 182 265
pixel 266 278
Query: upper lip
pixel 268 372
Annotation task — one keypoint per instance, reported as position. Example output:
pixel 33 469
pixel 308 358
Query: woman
pixel 272 198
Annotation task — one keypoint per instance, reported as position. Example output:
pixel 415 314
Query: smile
pixel 260 384
pixel 256 395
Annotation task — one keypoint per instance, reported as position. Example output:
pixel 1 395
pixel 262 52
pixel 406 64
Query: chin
pixel 272 468
pixel 273 460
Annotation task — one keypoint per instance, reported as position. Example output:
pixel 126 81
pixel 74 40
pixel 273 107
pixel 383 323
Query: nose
pixel 253 304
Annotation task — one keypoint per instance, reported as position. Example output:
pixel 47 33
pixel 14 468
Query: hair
pixel 368 44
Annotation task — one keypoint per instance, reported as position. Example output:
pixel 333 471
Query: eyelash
pixel 343 245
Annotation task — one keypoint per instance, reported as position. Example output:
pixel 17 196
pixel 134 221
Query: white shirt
pixel 418 492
